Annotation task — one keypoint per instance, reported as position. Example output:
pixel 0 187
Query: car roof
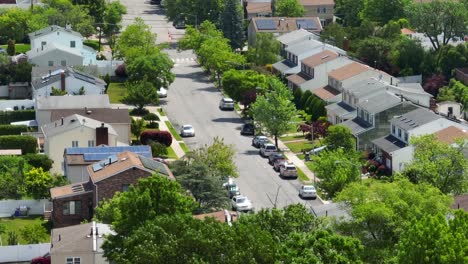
pixel 239 196
pixel 308 186
pixel 228 99
pixel 187 126
pixel 260 136
pixel 270 145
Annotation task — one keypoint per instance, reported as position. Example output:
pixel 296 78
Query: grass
pixel 161 112
pixel 290 138
pixel 173 131
pixel 298 147
pixel 20 48
pixel 171 154
pixel 301 175
pixel 309 165
pixel 184 147
pixel 237 107
pixel 116 92
pixel 15 224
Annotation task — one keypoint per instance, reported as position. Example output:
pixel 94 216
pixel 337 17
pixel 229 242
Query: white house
pixel 450 109
pixel 74 131
pixel 58 46
pixel 354 72
pixel 294 37
pixel 68 80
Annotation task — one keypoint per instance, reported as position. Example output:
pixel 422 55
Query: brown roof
pixel 325 93
pixel 348 71
pixel 316 2
pixel 298 79
pixel 220 216
pixel 461 202
pixel 450 134
pixel 106 115
pixel 262 7
pixel 285 24
pixel 407 31
pixel 69 190
pixel 319 58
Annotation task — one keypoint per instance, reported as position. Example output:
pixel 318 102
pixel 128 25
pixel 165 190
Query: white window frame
pixel 73 260
pixel 74 143
pixel 91 143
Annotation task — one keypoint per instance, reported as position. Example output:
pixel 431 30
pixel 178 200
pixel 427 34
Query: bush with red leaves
pixel 163 137
pixel 433 83
pixel 304 128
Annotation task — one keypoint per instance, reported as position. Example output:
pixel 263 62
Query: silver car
pixel 308 191
pixel 268 149
pixel 226 104
pixel 288 170
pixel 187 131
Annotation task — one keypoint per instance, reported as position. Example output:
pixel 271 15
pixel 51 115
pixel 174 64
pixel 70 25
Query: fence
pixel 36 207
pixel 12 254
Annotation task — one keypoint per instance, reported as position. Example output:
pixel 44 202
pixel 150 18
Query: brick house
pixel 73 203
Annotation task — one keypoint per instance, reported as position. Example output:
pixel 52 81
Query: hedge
pixel 12 129
pixel 39 161
pixel 163 137
pixel 6 117
pixel 27 144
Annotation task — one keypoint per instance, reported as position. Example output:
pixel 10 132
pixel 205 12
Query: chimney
pixel 62 81
pixel 346 44
pixel 102 135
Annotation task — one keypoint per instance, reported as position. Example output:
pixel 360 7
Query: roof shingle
pixel 348 71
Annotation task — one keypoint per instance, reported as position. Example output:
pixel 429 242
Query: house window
pixel 125 187
pixel 318 10
pixel 43 43
pixel 355 101
pixel 366 116
pixel 399 133
pixel 90 143
pixel 393 129
pixel 51 63
pixel 75 143
pixel 324 10
pixel 63 63
pixel 345 97
pixel 311 72
pixel 406 137
pixel 72 44
pixel 73 260
pixel 72 208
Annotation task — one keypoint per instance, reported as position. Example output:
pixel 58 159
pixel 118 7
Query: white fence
pixel 36 207
pixel 11 254
pixel 4 91
pixel 10 104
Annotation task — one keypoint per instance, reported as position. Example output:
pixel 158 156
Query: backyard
pixel 16 224
pixel 20 48
pixel 116 92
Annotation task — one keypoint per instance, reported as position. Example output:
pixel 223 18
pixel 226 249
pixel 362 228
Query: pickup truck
pixel 288 171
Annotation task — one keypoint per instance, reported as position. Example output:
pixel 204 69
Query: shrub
pixel 139 112
pixel 163 137
pixel 153 125
pixel 12 238
pixel 12 129
pixel 121 71
pixel 27 144
pixel 39 161
pixel 151 117
pixel 158 149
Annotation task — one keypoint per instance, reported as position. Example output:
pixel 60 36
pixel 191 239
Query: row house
pixel 323 9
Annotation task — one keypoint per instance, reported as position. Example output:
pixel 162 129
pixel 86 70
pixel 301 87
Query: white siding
pixel 321 73
pixel 401 157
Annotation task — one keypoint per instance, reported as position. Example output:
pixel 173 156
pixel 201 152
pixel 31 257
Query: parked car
pixel 248 129
pixel 257 140
pixel 187 131
pixel 279 163
pixel 178 24
pixel 241 203
pixel 274 157
pixel 232 188
pixel 226 104
pixel 308 191
pixel 267 150
pixel 162 93
pixel 288 170
pixel 41 260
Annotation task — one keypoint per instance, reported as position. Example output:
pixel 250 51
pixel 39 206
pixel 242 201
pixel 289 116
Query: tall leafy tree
pixel 439 164
pixel 113 17
pixel 374 51
pixel 289 8
pixel 274 110
pixel 237 83
pixel 348 11
pixel 382 11
pixel 408 55
pixel 447 19
pixel 38 183
pixel 156 67
pixel 136 39
pixel 140 94
pixel 231 23
pixel 194 37
pixel 340 137
pixel 265 50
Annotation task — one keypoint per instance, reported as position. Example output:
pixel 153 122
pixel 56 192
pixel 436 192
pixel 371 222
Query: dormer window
pixel 399 133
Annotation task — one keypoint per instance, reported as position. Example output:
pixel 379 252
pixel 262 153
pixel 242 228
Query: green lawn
pixel 171 154
pixel 17 223
pixel 20 48
pixel 301 175
pixel 298 147
pixel 173 131
pixel 116 92
pixel 309 165
pixel 289 138
pixel 184 147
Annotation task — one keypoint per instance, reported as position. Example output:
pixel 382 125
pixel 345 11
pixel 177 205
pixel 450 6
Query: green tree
pixel 382 11
pixel 231 23
pixel 348 11
pixel 156 67
pixel 11 49
pixel 194 38
pixel 334 33
pixel 219 157
pixel 445 94
pixel 336 169
pixel 374 51
pixel 408 55
pixel 140 94
pixel 288 8
pixel 38 182
pixel 12 172
pixel 274 110
pixel 435 239
pixel 339 136
pixel 237 83
pixel 265 50
pixel 33 234
pixel 58 92
pixel 382 211
pixel 136 39
pixel 113 17
pixel 137 126
pixel 304 98
pixel 439 164
pixel 435 18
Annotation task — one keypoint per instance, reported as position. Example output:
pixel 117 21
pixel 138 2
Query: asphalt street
pixel 192 99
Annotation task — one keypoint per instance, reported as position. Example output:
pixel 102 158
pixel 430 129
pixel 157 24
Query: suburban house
pixel 74 131
pixel 69 80
pixel 394 149
pixel 257 8
pixel 450 109
pixel 295 37
pixel 315 69
pixel 426 41
pixel 79 243
pixel 77 160
pixel 281 25
pixel 297 52
pixel 323 9
pixel 55 45
pixel 224 216
pixel 73 203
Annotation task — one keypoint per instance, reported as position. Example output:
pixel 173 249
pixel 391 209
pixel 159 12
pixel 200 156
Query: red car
pixel 41 260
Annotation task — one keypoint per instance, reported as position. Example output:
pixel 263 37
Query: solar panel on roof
pixel 97 166
pixel 84 78
pixel 306 24
pixel 153 165
pixel 265 24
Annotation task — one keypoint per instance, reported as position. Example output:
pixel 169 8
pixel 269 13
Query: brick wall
pixel 106 188
pixel 461 74
pixel 61 220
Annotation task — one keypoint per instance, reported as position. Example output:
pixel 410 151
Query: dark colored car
pixel 274 157
pixel 41 260
pixel 248 129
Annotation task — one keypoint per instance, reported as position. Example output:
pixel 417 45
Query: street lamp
pixel 357 166
pixel 195 16
pixel 100 33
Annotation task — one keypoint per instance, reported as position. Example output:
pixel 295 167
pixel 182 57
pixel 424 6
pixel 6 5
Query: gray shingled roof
pixel 356 125
pixel 365 87
pixel 389 143
pixel 53 28
pixel 379 102
pixel 415 118
pixel 54 76
pixel 340 108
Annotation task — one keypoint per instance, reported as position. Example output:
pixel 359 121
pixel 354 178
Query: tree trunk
pixel 276 141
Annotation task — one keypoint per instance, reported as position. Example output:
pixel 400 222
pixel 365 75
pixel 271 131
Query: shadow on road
pixel 210 89
pixel 250 152
pixel 154 12
pixel 195 76
pixel 228 120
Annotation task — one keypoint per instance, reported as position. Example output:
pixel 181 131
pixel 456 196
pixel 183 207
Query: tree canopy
pixel 339 136
pixel 231 23
pixel 288 8
pixel 237 83
pixel 141 93
pixel 136 39
pixel 156 67
pixel 265 49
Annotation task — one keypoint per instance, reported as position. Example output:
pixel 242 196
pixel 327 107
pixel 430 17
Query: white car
pixel 308 191
pixel 268 149
pixel 226 104
pixel 187 131
pixel 241 203
pixel 288 170
pixel 162 93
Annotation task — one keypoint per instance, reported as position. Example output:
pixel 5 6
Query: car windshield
pixel 270 147
pixel 240 200
pixel 291 168
pixel 187 127
pixel 227 100
pixel 232 187
pixel 309 188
